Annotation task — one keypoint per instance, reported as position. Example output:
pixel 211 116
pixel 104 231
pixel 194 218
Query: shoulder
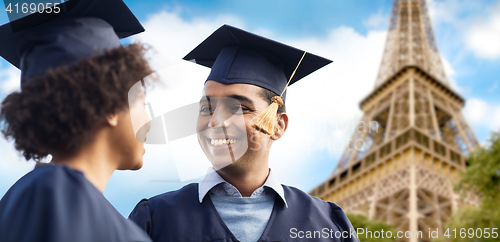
pixel 178 196
pixel 56 203
pixel 47 175
pixel 181 197
pixel 296 195
pixel 164 206
pixel 331 211
pixel 45 182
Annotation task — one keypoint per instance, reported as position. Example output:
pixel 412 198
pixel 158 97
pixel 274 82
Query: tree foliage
pixel 362 222
pixel 482 177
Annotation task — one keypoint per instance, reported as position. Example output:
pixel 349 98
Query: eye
pixel 205 110
pixel 236 108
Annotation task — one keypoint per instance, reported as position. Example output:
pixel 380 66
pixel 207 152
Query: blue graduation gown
pixel 58 204
pixel 179 216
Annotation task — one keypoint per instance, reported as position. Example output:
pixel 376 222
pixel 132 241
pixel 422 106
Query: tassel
pixel 267 119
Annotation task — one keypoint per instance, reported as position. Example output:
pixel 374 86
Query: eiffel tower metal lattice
pixel 412 139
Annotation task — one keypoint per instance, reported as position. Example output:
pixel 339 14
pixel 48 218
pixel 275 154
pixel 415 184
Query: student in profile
pixel 74 105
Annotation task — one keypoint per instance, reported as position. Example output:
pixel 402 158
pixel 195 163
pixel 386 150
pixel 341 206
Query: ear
pixel 281 126
pixel 112 120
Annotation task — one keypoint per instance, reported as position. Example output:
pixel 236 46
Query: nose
pixel 219 118
pixel 148 124
pixel 146 117
pixel 142 132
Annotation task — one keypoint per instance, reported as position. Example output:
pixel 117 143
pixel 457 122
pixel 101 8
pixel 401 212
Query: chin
pixel 137 167
pixel 132 166
pixel 219 163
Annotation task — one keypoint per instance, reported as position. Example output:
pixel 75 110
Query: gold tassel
pixel 267 119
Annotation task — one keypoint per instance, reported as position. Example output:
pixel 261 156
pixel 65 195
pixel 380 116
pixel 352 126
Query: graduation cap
pixel 81 30
pixel 238 56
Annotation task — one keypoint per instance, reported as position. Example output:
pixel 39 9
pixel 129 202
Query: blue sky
pixel 352 33
pixel 283 17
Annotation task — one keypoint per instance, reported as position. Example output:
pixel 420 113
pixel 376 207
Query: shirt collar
pixel 212 179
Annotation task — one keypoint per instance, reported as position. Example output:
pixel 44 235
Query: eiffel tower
pixel 412 139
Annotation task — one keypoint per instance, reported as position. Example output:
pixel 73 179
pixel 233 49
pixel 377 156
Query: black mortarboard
pixel 238 56
pixel 82 29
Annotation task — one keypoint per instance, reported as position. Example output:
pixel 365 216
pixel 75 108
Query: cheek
pixel 139 119
pixel 201 126
pixel 247 125
pixel 256 139
pixel 131 136
pixel 126 142
pixel 202 123
pixel 142 118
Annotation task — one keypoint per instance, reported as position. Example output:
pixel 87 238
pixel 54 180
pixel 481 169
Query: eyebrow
pixel 204 98
pixel 242 98
pixel 235 96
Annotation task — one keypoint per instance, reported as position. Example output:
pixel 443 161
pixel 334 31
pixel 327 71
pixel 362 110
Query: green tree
pixel 482 177
pixel 362 222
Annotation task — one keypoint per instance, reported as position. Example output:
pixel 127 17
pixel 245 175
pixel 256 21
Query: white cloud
pixel 442 11
pixel 476 110
pixel 377 21
pixel 451 11
pixel 9 80
pixel 483 36
pixel 173 38
pixel 480 113
pixel 450 74
pixel 479 30
pixel 12 165
pixel 329 98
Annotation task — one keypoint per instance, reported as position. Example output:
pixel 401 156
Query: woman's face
pixel 133 125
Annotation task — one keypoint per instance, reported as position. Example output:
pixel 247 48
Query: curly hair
pixel 61 109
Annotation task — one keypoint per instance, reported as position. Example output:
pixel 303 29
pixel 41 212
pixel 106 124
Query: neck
pixel 93 159
pixel 246 179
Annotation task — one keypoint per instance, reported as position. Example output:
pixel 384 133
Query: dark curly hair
pixel 59 110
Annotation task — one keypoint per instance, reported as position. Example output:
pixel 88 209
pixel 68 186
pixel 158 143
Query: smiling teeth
pixel 221 142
